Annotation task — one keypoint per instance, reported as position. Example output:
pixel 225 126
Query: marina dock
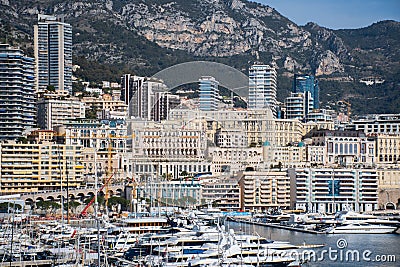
pixel 277 225
pixel 33 263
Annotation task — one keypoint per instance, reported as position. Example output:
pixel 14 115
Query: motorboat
pixel 349 217
pixel 361 228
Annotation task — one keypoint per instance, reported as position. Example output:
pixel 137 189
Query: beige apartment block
pixel 387 148
pixel 39 167
pixel 261 190
pixel 106 102
pixel 57 108
pixel 389 188
pixel 287 131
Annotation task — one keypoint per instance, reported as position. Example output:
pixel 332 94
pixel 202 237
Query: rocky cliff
pixel 148 35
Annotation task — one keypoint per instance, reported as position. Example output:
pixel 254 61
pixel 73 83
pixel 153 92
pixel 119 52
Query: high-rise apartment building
pixel 142 95
pixel 130 85
pixel 208 93
pixel 164 103
pixel 332 190
pixel 298 105
pixel 55 110
pixel 17 93
pixel 307 83
pixel 262 87
pixel 53 53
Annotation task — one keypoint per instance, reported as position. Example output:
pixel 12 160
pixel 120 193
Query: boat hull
pixel 362 230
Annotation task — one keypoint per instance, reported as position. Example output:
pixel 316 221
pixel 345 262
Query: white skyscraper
pixel 262 87
pixel 53 53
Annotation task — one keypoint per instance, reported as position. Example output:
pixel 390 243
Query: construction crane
pixel 109 169
pixel 84 211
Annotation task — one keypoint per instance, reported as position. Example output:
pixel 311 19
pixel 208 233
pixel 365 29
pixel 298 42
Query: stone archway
pixel 390 206
pixel 72 197
pixel 81 197
pixel 29 201
pixel 120 192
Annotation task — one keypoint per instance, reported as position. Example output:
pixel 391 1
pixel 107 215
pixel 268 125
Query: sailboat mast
pixel 66 173
pixel 96 206
pixel 61 184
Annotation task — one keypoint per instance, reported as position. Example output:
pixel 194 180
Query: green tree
pixel 51 88
pixel 118 200
pixel 167 176
pixel 100 199
pixel 72 205
pixel 22 139
pixel 48 205
pixel 184 173
pixel 91 113
pixel 4 206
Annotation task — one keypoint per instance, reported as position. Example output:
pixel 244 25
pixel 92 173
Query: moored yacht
pixel 349 217
pixel 142 225
pixel 361 228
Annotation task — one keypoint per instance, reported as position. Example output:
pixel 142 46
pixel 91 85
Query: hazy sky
pixel 337 14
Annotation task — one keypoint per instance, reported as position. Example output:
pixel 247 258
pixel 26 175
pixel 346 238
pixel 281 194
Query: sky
pixel 337 14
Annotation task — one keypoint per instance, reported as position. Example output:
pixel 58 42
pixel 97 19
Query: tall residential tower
pixel 307 83
pixel 17 93
pixel 262 87
pixel 53 53
pixel 208 93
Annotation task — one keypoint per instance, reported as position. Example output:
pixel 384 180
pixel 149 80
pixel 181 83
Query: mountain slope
pixel 145 36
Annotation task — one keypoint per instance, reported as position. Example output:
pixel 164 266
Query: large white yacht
pixel 361 228
pixel 349 217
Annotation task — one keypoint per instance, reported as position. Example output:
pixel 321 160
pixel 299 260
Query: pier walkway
pixel 36 263
pixel 279 226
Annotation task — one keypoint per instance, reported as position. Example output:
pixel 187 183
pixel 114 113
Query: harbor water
pixel 339 250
